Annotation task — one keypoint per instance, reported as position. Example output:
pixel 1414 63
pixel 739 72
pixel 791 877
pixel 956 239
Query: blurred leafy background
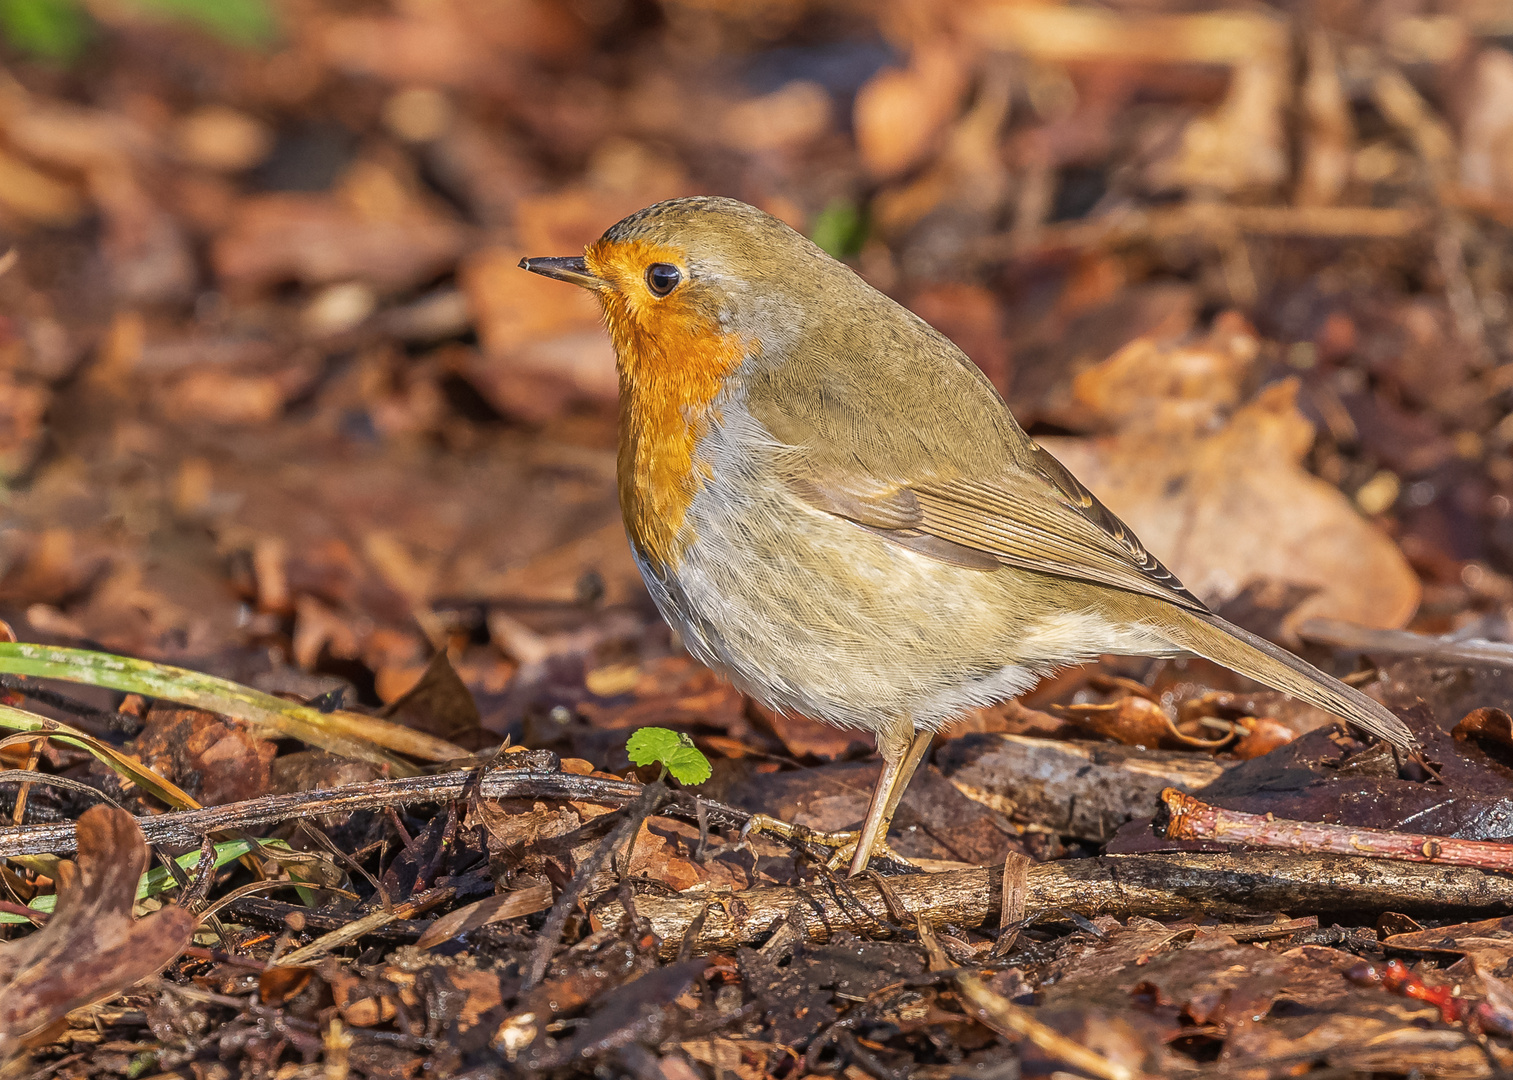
pixel 274 397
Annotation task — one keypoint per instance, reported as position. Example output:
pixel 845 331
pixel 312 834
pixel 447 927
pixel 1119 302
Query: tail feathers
pixel 1213 638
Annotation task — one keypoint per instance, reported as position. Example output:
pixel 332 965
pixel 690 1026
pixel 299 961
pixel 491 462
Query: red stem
pixel 1187 818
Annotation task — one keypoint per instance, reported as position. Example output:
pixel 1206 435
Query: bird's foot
pixel 842 842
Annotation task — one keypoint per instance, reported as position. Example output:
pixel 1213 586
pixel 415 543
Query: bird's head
pixel 692 287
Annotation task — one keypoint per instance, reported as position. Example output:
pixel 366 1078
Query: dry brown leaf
pixel 1490 724
pixel 46 566
pixel 215 758
pixel 1154 385
pixel 1131 720
pixel 1241 145
pixel 458 44
pixel 657 857
pixel 220 397
pixel 1488 942
pixel 746 1058
pixel 1228 506
pixel 509 305
pixel 91 948
pixel 440 704
pixel 1486 144
pixel 221 138
pixel 318 629
pixel 22 408
pixel 542 378
pixel 968 179
pixel 405 50
pixel 1328 131
pixel 1263 735
pixel 1087 34
pixel 558 575
pixel 36 196
pixel 514 823
pixel 316 240
pixel 1244 142
pixel 901 113
pixel 795 114
pixel 674 692
pixel 804 737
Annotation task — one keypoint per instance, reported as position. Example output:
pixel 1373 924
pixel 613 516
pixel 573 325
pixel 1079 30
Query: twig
pixel 33 755
pixel 121 722
pixel 368 923
pixel 25 776
pixel 1153 886
pixel 279 914
pixel 10 907
pixel 193 894
pixel 1014 1023
pixel 1246 932
pixel 1344 635
pixel 650 798
pixel 1185 818
pixel 187 826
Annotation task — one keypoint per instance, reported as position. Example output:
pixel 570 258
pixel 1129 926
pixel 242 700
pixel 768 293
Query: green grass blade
pixel 347 734
pixel 158 880
pixel 14 719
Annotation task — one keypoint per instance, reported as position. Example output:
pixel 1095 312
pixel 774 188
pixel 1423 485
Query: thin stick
pixel 367 924
pixel 10 907
pixel 1344 635
pixel 1186 818
pixel 1014 1023
pixel 184 828
pixel 111 719
pixel 34 753
pixel 277 913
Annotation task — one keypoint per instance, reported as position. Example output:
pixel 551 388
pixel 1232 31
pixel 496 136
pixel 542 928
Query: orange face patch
pixel 673 360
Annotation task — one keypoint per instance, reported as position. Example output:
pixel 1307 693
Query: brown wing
pixel 903 435
pixel 1039 519
pixel 1086 503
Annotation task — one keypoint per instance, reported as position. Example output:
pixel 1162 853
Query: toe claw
pixel 842 843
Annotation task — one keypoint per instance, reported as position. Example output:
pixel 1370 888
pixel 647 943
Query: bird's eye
pixel 663 278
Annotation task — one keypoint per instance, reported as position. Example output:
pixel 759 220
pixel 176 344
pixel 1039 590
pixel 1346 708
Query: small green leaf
pixel 649 745
pixel 840 229
pixel 246 23
pixel 687 763
pixel 657 745
pixel 55 29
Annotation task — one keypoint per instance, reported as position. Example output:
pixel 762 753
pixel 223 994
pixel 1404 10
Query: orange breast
pixel 673 359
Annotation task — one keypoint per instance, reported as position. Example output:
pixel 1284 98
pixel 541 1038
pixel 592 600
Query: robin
pixel 835 508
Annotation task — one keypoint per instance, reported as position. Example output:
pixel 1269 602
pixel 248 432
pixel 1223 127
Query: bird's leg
pixel 899 763
pixel 901 756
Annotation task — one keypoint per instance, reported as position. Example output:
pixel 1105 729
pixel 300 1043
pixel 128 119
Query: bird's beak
pixel 564 268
